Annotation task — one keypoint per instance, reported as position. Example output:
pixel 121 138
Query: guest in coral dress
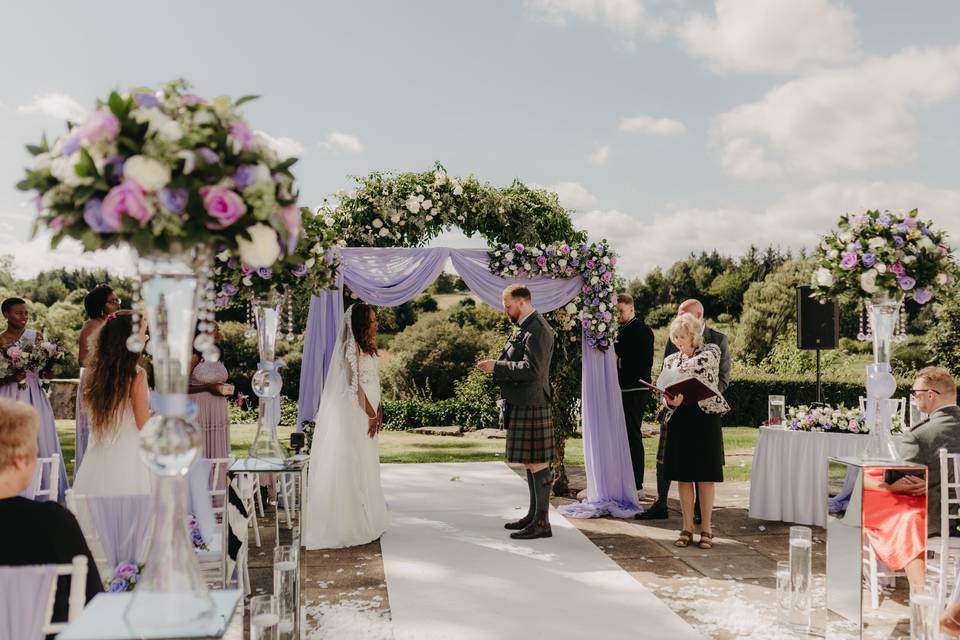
pixel 895 521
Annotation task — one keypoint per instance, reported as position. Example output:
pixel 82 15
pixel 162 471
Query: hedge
pixel 401 415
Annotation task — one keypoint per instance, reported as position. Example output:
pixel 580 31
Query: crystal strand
pixel 251 332
pixel 135 343
pixel 862 335
pixel 290 335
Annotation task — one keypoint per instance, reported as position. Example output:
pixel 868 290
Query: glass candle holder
pixel 776 411
pixel 264 618
pixel 801 578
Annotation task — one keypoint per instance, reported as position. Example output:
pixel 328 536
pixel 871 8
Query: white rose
pixel 509 255
pixel 429 217
pixel 605 260
pixel 824 277
pixel 833 253
pixel 148 173
pixel 262 174
pixel 845 237
pixel 224 255
pixel 943 279
pixel 262 250
pixel 881 267
pixel 925 243
pixel 169 129
pixel 573 254
pixel 909 259
pixel 426 204
pixel 439 177
pixel 457 189
pixel 309 263
pixel 247 281
pixel 413 204
pixel 64 169
pixel 868 281
pixel 328 220
pixel 203 117
pixel 384 232
pixel 41 161
pixel 571 308
pixel 594 280
pixel 377 223
pixel 602 327
pixel 562 262
pixel 603 307
pixel 526 265
pixel 395 219
pixel 876 243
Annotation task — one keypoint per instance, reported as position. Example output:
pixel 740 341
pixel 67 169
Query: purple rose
pixel 146 100
pixel 542 261
pixel 71 146
pixel 910 222
pixel 550 252
pixel 300 270
pixel 607 316
pixel 173 200
pixel 190 100
pixel 884 221
pixel 117 586
pixel 564 249
pixel 100 125
pixel 596 301
pixel 585 289
pixel 222 204
pixel 518 248
pixel 587 323
pixel 230 289
pixel 197 537
pixel 868 259
pixel 898 270
pixel 245 270
pixel 208 155
pixel 506 261
pixel 126 199
pixel 925 231
pixel 902 227
pixel 554 268
pixel 126 570
pixel 597 287
pixel 602 269
pixel 265 272
pixel 504 247
pixel 575 262
pixel 898 241
pixel 906 283
pixel 591 264
pixel 245 176
pixel 243 135
pixel 115 162
pixel 603 342
pixel 922 296
pixel 221 301
pixel 849 261
pixel 93 216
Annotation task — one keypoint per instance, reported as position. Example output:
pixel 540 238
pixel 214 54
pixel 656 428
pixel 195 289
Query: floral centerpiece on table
pixel 196 536
pixel 883 254
pixel 125 578
pixel 166 170
pixel 833 419
pixel 595 307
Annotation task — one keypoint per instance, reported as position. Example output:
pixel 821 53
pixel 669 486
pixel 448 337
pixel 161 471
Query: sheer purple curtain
pixel 24 593
pixel 123 523
pixel 390 277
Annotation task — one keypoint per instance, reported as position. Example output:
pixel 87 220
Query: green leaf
pixel 25 185
pixel 244 99
pixel 35 149
pixel 118 105
pixel 85 168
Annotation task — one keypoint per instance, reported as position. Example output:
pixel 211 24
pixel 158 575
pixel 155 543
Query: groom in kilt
pixel 523 374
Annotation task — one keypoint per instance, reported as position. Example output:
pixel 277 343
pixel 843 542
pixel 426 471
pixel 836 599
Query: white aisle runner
pixel 454 573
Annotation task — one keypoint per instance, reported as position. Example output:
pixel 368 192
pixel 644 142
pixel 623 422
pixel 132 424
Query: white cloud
pixel 339 141
pixel 30 257
pixel 853 118
pixel 795 221
pixel 572 195
pixel 630 18
pixel 56 105
pixel 283 146
pixel 599 156
pixel 778 36
pixel 652 126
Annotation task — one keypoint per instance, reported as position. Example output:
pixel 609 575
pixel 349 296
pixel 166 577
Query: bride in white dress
pixel 345 505
pixel 116 398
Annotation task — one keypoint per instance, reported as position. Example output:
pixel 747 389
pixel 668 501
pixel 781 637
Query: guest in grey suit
pixel 523 374
pixel 658 510
pixel 935 391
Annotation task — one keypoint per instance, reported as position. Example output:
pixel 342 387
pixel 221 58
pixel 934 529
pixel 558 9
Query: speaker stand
pixel 819 395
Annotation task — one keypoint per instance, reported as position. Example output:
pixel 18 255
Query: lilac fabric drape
pixel 123 523
pixel 199 502
pixel 24 594
pixel 391 276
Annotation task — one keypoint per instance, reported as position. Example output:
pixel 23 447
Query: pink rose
pixel 849 261
pixel 898 270
pixel 58 223
pixel 542 261
pixel 100 125
pixel 606 276
pixel 568 270
pixel 223 204
pixel 613 261
pixel 14 353
pixel 129 199
pixel 243 135
pixel 291 220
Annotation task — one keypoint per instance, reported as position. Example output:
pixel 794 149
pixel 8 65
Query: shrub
pixel 851 346
pixel 660 316
pixel 909 357
pixel 396 319
pixel 402 415
pixel 240 357
pixel 724 318
pixel 425 303
pixel 251 412
pixel 769 307
pixel 944 338
pixel 477 397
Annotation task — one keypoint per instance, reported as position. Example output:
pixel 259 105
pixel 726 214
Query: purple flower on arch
pixel 265 272
pixel 868 259
pixel 518 248
pixel 906 283
pixel 922 296
pixel 591 264
pixel 146 100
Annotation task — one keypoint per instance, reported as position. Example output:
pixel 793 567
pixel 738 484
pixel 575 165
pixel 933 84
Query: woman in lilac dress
pixel 99 303
pixel 15 313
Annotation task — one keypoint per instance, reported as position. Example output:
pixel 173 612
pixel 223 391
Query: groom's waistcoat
pixel 523 369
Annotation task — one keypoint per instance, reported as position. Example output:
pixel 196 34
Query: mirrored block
pixel 876 545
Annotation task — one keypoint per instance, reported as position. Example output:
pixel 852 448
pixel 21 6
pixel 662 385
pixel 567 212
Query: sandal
pixel 706 540
pixel 684 540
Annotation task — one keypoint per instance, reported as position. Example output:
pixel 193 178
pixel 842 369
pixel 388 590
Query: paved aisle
pixel 453 572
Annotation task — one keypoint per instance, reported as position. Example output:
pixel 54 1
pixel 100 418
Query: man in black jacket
pixel 634 349
pixel 710 336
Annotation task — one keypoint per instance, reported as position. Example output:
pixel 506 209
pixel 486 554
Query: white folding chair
pixel 77 570
pixel 76 503
pixel 249 496
pixel 52 492
pixel 877 572
pixel 945 547
pixel 212 560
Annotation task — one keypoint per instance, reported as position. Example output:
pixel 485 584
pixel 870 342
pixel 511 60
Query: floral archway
pixel 381 228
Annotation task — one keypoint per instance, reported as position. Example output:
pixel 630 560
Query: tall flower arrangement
pixel 164 170
pixel 888 254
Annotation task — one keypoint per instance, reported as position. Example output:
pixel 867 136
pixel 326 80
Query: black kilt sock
pixel 543 483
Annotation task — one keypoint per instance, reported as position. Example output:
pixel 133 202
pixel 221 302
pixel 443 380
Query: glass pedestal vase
pixel 171 593
pixel 881 385
pixel 266 381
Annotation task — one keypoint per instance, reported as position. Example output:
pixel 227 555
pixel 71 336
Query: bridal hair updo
pixel 111 373
pixel 361 320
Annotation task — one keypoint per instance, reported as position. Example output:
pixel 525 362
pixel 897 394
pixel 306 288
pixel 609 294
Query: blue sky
pixel 669 126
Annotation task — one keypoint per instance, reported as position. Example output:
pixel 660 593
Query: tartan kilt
pixel 529 434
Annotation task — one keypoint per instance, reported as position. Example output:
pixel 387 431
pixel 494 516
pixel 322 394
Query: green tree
pixel 768 309
pixel 944 337
pixel 445 283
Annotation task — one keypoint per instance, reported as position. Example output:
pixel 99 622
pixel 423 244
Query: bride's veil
pixel 342 376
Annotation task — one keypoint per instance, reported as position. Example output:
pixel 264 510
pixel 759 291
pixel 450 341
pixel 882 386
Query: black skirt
pixel 694 446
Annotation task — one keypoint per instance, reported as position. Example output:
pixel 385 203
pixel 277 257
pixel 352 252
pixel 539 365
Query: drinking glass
pixel 783 590
pixel 776 410
pixel 801 577
pixel 924 618
pixel 264 618
pixel 285 581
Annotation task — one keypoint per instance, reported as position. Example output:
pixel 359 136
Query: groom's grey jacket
pixel 523 369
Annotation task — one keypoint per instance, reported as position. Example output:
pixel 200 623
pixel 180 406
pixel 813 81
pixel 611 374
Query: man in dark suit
pixel 658 511
pixel 523 374
pixel 634 349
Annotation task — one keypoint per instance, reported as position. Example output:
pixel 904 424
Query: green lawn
pixel 398 446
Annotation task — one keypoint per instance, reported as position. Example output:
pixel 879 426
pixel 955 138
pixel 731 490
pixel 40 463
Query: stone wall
pixel 63 398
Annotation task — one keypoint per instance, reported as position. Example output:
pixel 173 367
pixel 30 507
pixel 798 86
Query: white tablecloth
pixel 789 477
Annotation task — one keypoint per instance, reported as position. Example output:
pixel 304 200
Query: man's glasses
pixel 916 392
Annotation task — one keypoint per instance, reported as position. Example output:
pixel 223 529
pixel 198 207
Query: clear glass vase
pixel 171 592
pixel 881 385
pixel 266 381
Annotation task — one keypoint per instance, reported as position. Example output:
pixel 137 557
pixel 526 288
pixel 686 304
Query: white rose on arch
pixel 824 277
pixel 413 204
pixel 426 204
pixel 868 281
pixel 384 232
pixel 377 223
pixel 147 172
pixel 263 248
pixel 571 308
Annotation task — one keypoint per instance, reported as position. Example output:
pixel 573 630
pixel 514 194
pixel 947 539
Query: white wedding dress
pixel 345 505
pixel 112 465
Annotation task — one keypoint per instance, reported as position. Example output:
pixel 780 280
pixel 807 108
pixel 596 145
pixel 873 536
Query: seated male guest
pixel 35 532
pixel 634 349
pixel 935 391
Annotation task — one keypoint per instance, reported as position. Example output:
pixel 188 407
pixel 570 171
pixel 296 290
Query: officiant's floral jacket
pixel 704 365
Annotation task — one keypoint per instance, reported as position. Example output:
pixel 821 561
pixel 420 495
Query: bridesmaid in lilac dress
pixel 15 312
pixel 209 389
pixel 99 303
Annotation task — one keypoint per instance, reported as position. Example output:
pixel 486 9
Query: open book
pixel 672 382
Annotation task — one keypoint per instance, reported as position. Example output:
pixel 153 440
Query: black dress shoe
pixel 519 524
pixel 539 528
pixel 657 512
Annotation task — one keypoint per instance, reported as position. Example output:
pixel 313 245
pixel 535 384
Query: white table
pixel 788 481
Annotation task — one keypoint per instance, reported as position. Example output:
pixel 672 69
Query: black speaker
pixel 818 323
